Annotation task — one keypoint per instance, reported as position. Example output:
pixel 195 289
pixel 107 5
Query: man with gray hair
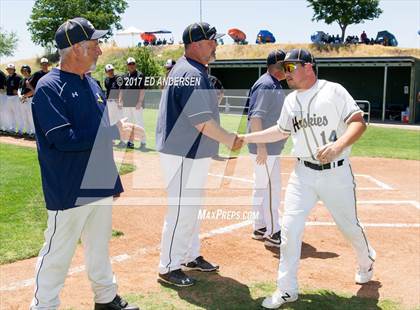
pixel 71 127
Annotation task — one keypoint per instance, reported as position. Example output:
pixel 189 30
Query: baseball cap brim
pixel 99 34
pixel 294 60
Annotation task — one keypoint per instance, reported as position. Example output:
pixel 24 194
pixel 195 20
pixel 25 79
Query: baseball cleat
pixel 177 278
pixel 259 233
pixel 200 264
pixel 273 240
pixel 364 275
pixel 277 299
pixel 116 304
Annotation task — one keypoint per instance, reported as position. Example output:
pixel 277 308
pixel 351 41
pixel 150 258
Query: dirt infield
pixel 388 196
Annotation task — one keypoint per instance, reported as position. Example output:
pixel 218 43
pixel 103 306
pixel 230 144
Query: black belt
pixel 322 167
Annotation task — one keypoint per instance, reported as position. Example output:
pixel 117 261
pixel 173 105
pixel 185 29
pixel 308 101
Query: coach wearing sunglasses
pixel 187 136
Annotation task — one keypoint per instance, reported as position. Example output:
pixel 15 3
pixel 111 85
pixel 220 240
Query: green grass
pixel 217 292
pixel 388 143
pixel 22 212
pixel 23 215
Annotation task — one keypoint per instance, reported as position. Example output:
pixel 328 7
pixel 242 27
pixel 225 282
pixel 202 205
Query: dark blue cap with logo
pixel 275 56
pixel 76 30
pixel 200 31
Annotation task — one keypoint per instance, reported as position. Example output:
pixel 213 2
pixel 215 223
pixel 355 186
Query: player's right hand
pixel 237 143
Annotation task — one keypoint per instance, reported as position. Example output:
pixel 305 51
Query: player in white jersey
pixel 324 121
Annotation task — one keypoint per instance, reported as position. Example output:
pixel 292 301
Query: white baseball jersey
pixel 317 116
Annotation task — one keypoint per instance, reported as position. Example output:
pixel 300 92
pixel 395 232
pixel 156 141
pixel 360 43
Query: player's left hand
pixel 328 152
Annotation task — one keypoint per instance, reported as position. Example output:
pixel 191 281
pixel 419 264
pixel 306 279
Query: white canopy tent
pixel 130 31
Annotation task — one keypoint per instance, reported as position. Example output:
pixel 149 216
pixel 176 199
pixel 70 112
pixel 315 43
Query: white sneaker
pixel 277 299
pixel 364 275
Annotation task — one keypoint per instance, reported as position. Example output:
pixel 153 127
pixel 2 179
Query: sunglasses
pixel 291 67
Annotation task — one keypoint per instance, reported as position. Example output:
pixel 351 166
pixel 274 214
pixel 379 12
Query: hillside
pixel 111 53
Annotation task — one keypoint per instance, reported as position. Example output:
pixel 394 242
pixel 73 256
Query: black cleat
pixel 116 304
pixel 259 233
pixel 200 264
pixel 130 145
pixel 273 240
pixel 177 278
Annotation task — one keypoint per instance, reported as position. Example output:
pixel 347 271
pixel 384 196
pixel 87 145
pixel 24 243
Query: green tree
pixel 345 12
pixel 8 42
pixel 48 15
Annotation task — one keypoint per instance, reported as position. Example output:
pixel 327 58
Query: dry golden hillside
pixel 253 51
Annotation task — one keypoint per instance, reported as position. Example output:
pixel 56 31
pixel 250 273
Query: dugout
pixel 390 84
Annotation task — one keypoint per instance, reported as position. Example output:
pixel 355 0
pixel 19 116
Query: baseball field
pixel 386 162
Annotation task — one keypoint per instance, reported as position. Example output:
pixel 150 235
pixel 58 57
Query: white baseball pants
pixel 93 224
pixel 11 110
pixel 266 194
pixel 115 113
pixel 3 111
pixel 28 123
pixel 336 188
pixel 185 179
pixel 135 116
pixel 20 111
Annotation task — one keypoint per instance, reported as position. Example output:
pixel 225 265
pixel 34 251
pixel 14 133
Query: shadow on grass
pixel 330 300
pixel 214 291
pixel 307 251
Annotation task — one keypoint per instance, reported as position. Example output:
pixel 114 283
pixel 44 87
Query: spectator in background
pixel 3 99
pixel 170 63
pixel 12 105
pixel 39 74
pixel 25 96
pixel 364 38
pixel 112 93
pixel 132 99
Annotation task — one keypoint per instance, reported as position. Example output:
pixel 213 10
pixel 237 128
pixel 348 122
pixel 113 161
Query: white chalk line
pixel 125 257
pixel 230 228
pixel 224 230
pixel 381 185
